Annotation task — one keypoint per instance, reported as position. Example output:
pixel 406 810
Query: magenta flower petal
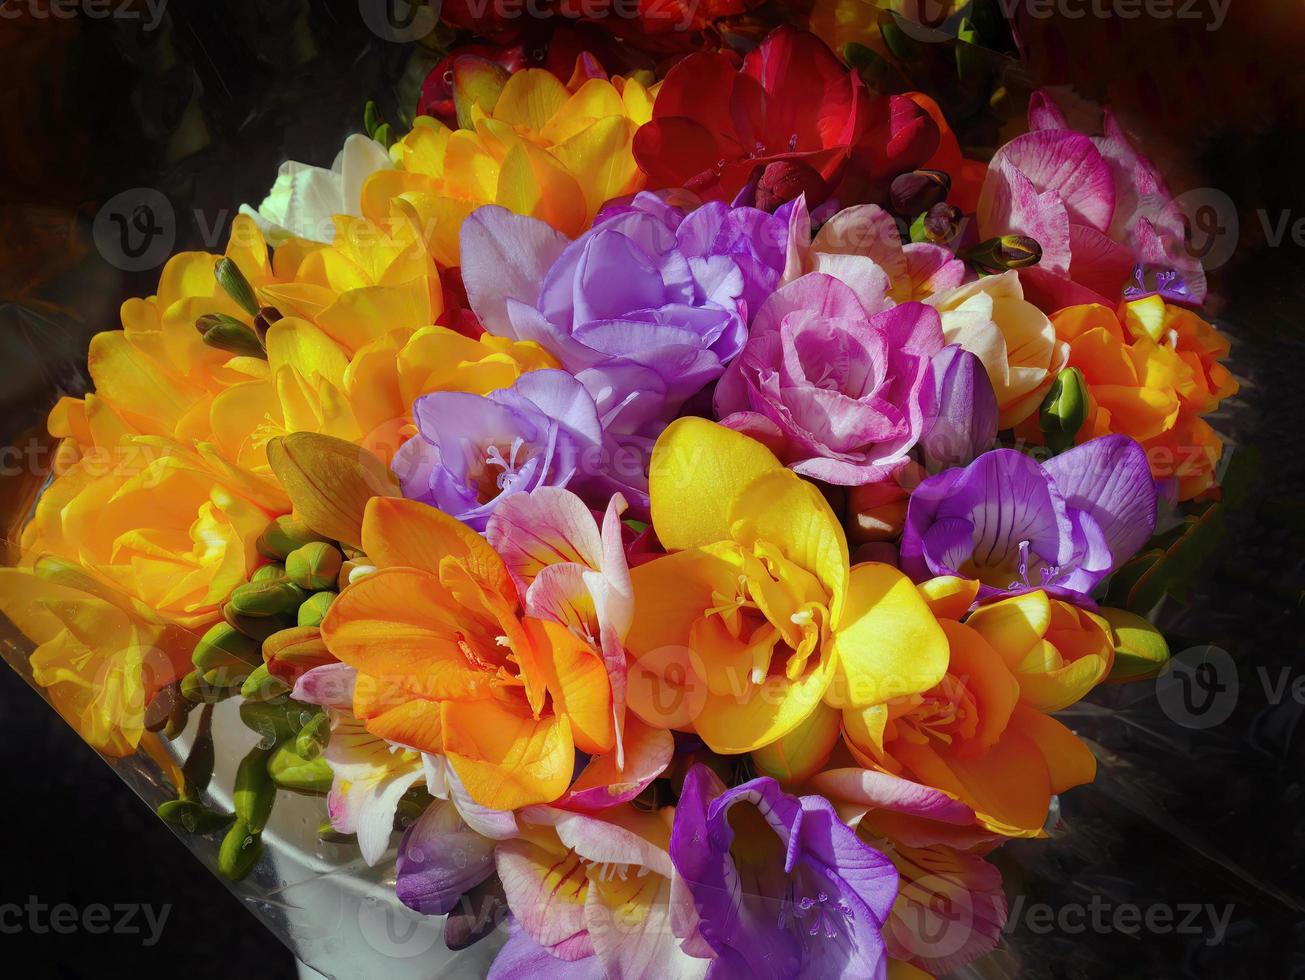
pixel 965 420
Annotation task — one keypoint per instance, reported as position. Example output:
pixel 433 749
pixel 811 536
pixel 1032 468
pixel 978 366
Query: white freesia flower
pixel 305 198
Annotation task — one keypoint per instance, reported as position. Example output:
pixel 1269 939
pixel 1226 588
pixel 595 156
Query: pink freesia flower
pixel 837 394
pixel 1146 217
pixel 570 572
pixel 1098 209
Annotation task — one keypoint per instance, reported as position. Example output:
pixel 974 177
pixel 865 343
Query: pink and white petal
pixel 629 920
pixel 521 958
pixel 1102 265
pixel 547 526
pixel 1069 164
pixel 931 269
pixel 546 893
pixel 814 294
pixel 604 783
pixel 1044 113
pixel 615 838
pixel 561 593
pixel 862 274
pixel 330 686
pixel 867 230
pixel 1009 203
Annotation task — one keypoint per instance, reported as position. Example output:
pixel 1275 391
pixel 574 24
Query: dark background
pixel 207 106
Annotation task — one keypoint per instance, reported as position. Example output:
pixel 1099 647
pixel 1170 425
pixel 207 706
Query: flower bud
pixel 260 685
pixel 916 192
pixel 277 721
pixel 1141 651
pixel 291 769
pixel 1064 410
pixel 229 334
pixel 192 817
pixel 197 689
pixel 239 852
pixel 876 512
pixel 315 566
pixel 786 180
pixel 235 285
pixel 1004 253
pixel 266 598
pixel 291 653
pixel 284 535
pixel 257 627
pixel 938 225
pixel 966 421
pixel 254 792
pixel 273 572
pixel 313 611
pixel 224 645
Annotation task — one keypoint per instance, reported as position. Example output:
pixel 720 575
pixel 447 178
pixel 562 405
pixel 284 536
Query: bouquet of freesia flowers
pixel 678 500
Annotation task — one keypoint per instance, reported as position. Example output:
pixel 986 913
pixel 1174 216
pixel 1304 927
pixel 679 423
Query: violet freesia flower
pixel 782 887
pixel 645 308
pixel 1016 526
pixel 838 395
pixel 473 451
pixel 965 420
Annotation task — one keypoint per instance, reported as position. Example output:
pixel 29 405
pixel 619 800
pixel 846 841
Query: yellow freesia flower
pixel 754 621
pixel 540 150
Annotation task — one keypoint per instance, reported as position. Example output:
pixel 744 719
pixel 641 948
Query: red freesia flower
pixel 794 118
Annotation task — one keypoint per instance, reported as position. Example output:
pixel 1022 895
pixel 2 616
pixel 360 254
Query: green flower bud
pixel 254 791
pixel 277 721
pixel 315 566
pixel 257 627
pixel 266 598
pixel 312 738
pixel 196 689
pixel 224 645
pixel 313 611
pixel 194 818
pixel 197 770
pixel 284 535
pixel 1064 410
pixel 1141 651
pixel 239 852
pixel 1004 253
pixel 165 704
pixel 262 686
pixel 272 572
pixel 235 285
pixel 229 334
pixel 290 769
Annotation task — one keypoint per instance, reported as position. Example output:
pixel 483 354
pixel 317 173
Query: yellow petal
pixel 330 482
pixel 1014 625
pixel 889 644
pixel 698 468
pixel 802 752
pixel 949 597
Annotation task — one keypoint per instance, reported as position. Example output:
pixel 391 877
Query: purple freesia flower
pixel 1016 525
pixel 472 451
pixel 839 395
pixel 645 308
pixel 965 423
pixel 782 886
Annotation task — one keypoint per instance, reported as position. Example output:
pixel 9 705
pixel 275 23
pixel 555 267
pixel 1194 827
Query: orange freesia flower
pixel 1152 372
pixel 981 734
pixel 534 147
pixel 449 664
